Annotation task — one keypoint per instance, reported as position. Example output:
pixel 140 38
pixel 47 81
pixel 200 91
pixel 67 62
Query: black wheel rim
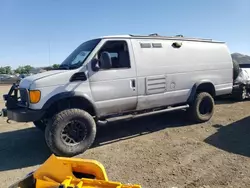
pixel 74 132
pixel 206 106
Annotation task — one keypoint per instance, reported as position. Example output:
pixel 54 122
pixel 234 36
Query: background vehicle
pixel 110 77
pixel 241 89
pixel 8 79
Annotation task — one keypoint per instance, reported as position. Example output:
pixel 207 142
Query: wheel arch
pixel 70 99
pixel 202 86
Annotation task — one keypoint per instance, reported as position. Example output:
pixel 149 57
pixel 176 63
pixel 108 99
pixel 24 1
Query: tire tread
pixel 50 132
pixel 194 109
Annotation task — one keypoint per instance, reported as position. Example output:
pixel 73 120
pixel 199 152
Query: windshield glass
pixel 79 55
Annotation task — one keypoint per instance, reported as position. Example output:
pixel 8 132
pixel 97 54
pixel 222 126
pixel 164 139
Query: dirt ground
pixel 160 151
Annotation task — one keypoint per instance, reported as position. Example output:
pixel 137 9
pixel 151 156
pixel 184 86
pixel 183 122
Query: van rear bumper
pixel 23 114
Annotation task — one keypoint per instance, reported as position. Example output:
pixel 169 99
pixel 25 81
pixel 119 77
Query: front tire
pixel 40 124
pixel 71 132
pixel 203 107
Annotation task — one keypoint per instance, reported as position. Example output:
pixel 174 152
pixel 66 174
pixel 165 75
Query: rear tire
pixel 71 132
pixel 202 108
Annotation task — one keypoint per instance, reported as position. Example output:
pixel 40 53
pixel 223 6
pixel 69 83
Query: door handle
pixel 132 84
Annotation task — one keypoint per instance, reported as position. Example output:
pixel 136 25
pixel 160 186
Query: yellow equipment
pixel 60 172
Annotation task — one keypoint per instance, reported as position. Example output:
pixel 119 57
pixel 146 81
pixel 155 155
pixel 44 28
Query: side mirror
pixel 95 65
pixel 105 61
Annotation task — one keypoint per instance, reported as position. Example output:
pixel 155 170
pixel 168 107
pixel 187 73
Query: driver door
pixel 114 90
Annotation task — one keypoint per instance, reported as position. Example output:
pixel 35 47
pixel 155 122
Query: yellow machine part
pixel 60 172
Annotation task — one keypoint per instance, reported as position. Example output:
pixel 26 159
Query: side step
pixel 112 119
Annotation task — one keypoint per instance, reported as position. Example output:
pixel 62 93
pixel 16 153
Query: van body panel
pixel 223 89
pixel 80 88
pixel 162 72
pixel 181 68
pixel 111 89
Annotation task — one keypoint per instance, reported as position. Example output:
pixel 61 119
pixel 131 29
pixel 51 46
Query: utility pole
pixel 49 52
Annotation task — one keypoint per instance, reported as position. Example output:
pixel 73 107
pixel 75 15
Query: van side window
pixel 118 51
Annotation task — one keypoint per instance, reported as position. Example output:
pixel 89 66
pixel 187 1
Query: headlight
pixel 35 96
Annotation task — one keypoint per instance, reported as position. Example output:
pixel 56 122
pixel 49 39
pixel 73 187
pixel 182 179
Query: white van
pixel 115 76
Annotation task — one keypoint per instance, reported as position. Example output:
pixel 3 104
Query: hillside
pixel 240 58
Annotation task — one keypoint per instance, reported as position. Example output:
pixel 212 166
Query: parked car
pixel 241 89
pixel 8 79
pixel 115 76
pixel 21 76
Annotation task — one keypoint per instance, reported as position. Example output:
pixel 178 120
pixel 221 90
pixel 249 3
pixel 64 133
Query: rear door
pixel 114 90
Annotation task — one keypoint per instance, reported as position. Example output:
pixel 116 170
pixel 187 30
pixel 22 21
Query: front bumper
pixel 23 114
pixel 17 109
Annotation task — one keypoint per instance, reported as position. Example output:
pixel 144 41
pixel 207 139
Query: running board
pixel 170 109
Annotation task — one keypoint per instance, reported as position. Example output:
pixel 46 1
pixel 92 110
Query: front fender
pixel 65 95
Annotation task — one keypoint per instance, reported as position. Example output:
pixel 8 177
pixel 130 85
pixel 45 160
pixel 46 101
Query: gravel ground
pixel 156 151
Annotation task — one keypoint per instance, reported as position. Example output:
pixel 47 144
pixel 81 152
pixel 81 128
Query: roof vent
pixel 154 34
pixel 179 36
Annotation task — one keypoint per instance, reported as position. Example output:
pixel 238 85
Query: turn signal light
pixel 35 96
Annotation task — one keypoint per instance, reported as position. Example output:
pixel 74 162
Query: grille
pixel 23 97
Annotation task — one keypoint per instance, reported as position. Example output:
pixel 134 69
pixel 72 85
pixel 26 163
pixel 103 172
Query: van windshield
pixel 79 55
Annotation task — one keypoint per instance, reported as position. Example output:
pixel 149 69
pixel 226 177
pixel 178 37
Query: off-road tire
pixel 195 108
pixel 53 132
pixel 40 124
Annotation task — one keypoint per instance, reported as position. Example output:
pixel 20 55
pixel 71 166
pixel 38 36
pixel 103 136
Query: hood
pixel 27 81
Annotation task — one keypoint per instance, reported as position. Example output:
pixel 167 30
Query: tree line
pixel 24 69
